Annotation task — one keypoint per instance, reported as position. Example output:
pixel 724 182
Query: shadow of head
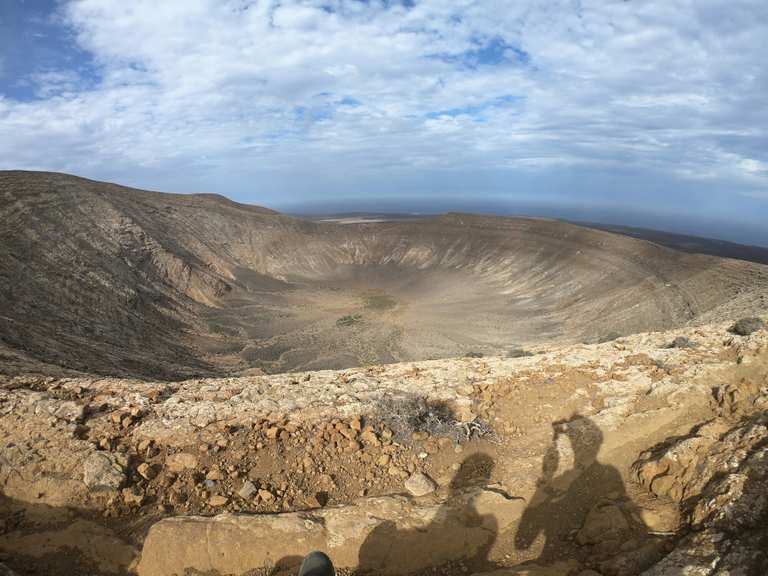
pixel 584 435
pixel 475 471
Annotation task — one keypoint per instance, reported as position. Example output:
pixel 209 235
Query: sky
pixel 642 112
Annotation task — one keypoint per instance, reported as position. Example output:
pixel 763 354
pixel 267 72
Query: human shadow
pixel 587 503
pixel 458 532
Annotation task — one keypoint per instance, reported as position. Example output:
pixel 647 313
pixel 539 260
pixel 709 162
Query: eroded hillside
pixel 99 278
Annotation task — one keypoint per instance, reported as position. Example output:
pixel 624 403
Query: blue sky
pixel 650 112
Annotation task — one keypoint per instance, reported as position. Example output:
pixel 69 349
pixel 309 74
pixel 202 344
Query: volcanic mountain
pixel 100 278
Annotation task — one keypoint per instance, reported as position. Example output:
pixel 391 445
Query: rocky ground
pixel 646 454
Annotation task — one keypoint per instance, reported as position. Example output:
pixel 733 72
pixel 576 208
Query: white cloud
pixel 193 87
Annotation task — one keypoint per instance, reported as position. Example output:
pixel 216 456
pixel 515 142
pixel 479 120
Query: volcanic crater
pixel 107 279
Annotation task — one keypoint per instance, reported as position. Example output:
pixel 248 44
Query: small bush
pixel 349 320
pixel 518 353
pixel 682 342
pixel 609 337
pixel 747 326
pixel 406 415
pixel 379 301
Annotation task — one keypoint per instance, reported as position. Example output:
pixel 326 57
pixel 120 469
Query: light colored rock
pixel 181 461
pixel 390 535
pixel 419 484
pixel 146 471
pixel 218 500
pixel 248 489
pixel 70 411
pixel 266 495
pixel 660 520
pixel 101 471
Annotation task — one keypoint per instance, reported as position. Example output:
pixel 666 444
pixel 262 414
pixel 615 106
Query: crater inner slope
pixel 101 278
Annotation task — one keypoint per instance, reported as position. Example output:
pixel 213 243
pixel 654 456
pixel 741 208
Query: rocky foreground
pixel 644 455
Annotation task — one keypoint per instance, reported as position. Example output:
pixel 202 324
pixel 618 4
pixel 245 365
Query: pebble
pixel 181 461
pixel 218 500
pixel 248 490
pixel 146 471
pixel 419 484
pixel 101 471
pixel 214 474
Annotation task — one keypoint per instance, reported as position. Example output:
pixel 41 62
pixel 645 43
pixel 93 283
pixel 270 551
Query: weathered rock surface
pixel 390 535
pixel 721 481
pixel 175 452
pixel 102 471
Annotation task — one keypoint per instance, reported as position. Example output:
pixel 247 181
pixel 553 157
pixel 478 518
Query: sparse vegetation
pixel 349 320
pixel 413 414
pixel 473 355
pixel 609 337
pixel 747 326
pixel 379 301
pixel 518 353
pixel 682 342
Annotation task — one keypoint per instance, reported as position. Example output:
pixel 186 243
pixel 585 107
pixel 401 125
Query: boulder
pixel 101 471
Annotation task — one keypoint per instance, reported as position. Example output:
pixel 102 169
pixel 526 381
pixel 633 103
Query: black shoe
pixel 317 564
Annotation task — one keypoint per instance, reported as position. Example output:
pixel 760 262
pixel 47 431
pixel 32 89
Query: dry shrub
pixel 405 415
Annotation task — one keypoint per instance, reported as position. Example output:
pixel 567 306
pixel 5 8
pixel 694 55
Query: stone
pixel 419 484
pixel 369 437
pixel 217 500
pixel 144 445
pixel 102 472
pixel 214 474
pixel 273 432
pixel 146 471
pixel 266 495
pixel 248 489
pixel 181 461
pixel 133 496
pixel 70 412
pixel 660 520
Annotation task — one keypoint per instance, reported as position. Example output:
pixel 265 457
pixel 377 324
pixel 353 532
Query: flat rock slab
pixel 391 535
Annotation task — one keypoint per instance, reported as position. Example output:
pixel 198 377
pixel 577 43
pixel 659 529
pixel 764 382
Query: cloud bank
pixel 624 102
